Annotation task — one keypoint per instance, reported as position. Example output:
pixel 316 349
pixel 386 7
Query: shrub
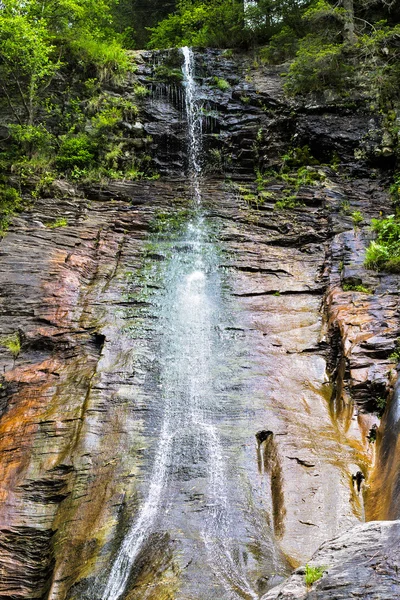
pixel 107 56
pixel 30 137
pixel 299 157
pixel 384 252
pixel 10 202
pixel 317 66
pixel 282 46
pixel 168 74
pixel 74 152
pixel 141 91
pixel 313 574
pixel 216 24
pixel 221 84
pixel 352 287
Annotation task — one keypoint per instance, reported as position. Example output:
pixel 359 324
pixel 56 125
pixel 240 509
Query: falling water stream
pixel 191 360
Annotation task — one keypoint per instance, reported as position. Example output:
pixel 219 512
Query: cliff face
pixel 305 362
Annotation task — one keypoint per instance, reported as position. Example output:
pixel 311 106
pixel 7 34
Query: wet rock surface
pixel 361 563
pixel 307 362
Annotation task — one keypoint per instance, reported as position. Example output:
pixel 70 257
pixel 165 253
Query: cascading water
pixel 194 120
pixel 189 448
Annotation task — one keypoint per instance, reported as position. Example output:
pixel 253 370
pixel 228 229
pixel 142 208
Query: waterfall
pixel 188 312
pixel 194 122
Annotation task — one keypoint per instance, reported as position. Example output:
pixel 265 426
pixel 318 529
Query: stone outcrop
pixel 361 563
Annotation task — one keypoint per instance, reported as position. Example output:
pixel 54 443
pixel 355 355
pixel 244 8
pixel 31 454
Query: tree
pixel 133 18
pixel 28 60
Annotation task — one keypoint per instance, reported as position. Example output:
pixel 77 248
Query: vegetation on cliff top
pixel 58 59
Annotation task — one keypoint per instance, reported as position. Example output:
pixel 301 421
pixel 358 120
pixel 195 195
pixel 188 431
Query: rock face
pixel 306 362
pixel 361 563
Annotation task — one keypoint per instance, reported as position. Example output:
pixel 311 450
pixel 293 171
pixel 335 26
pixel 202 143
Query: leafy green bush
pixel 108 57
pixel 221 84
pixel 384 252
pixel 77 151
pixel 299 157
pixel 317 66
pixel 10 202
pixel 168 74
pixel 352 287
pixel 217 24
pixel 282 47
pixel 141 91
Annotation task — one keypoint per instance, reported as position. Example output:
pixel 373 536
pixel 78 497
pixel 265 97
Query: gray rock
pixel 362 563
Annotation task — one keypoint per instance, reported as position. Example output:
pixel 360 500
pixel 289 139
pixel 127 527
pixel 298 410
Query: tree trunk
pixel 349 34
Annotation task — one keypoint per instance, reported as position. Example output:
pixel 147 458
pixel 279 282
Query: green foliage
pixel 221 84
pixel 299 157
pixel 28 57
pixel 60 222
pixel 344 207
pixel 313 574
pixel 379 55
pixel 75 151
pixel 318 66
pixel 321 12
pixel 217 24
pixel 107 56
pixel 381 403
pixel 170 222
pixel 12 343
pixel 289 201
pixel 282 47
pixel 395 189
pixel 383 254
pixel 141 91
pixel 10 202
pixel 353 287
pixel 357 218
pixel 168 74
pixel 32 138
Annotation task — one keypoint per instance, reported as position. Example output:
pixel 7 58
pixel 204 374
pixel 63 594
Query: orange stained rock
pixel 34 373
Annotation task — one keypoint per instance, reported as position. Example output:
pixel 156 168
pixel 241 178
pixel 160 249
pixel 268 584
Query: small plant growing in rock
pixel 12 343
pixel 381 405
pixel 357 218
pixel 344 207
pixel 384 252
pixel 141 91
pixel 61 222
pixel 288 202
pixel 313 574
pixel 352 287
pixel 221 84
